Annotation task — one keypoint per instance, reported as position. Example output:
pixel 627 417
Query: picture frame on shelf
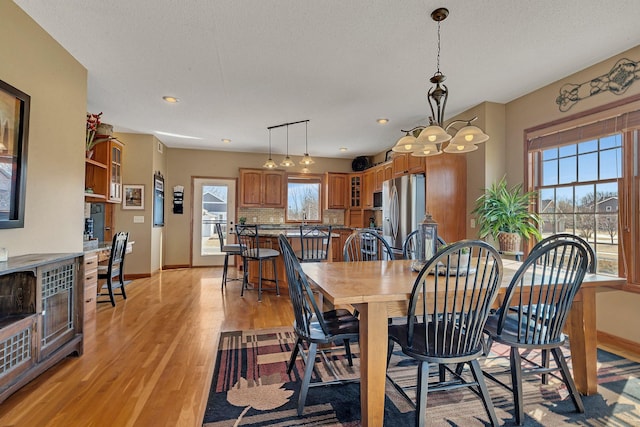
pixel 14 131
pixel 133 196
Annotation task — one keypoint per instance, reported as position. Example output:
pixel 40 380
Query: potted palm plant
pixel 503 213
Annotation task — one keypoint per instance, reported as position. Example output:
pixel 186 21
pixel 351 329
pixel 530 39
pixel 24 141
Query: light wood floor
pixel 149 360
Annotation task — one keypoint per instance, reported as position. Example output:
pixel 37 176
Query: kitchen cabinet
pixel 337 191
pixel 383 172
pixel 90 286
pixel 368 186
pixel 103 173
pixel 337 244
pixel 355 185
pixel 405 163
pixel 45 324
pixel 262 188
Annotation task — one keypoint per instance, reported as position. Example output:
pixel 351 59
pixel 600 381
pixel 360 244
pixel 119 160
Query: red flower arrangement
pixel 93 121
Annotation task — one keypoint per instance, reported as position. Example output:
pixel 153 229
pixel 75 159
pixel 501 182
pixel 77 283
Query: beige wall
pixel 182 165
pixel 617 312
pixel 137 169
pixel 37 65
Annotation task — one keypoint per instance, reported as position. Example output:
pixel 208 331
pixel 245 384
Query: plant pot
pixel 509 242
pixel 462 260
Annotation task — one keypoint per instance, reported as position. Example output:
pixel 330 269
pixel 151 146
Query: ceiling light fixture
pixel 287 162
pixel 270 164
pixel 226 140
pixel 435 135
pixel 171 99
pixel 382 121
pixel 306 159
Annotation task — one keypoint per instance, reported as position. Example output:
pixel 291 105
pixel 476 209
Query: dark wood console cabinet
pixel 41 311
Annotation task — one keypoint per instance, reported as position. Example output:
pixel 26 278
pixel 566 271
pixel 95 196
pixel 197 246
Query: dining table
pixel 381 289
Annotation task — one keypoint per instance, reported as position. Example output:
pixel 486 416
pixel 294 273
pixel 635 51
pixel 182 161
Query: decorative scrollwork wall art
pixel 616 81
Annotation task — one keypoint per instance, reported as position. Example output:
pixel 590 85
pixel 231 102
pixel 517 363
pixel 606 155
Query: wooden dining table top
pixel 389 281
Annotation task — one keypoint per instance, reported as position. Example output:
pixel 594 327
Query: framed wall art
pixel 133 197
pixel 14 131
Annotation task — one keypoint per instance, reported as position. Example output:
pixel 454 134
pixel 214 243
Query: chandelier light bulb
pixel 432 138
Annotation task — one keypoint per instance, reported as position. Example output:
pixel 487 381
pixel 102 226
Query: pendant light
pixel 270 164
pixel 287 162
pixel 306 159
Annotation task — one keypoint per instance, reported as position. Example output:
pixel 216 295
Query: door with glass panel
pixel 214 201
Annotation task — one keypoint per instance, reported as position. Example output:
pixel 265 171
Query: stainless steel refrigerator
pixel 403 208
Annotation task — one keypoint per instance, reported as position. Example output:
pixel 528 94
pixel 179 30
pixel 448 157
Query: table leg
pixel 373 361
pixel 581 327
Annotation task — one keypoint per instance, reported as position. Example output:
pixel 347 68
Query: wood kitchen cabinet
pixel 337 185
pixel 405 163
pixel 103 173
pixel 262 188
pixel 368 187
pixel 355 187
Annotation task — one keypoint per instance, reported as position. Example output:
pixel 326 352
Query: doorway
pixel 214 201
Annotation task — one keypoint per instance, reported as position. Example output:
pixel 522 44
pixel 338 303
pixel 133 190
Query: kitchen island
pixel 269 239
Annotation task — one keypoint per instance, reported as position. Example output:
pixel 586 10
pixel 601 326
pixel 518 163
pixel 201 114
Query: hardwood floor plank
pixel 149 360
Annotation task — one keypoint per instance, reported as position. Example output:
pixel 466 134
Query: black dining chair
pixel 446 328
pixel 314 332
pixel 114 268
pixel 593 261
pixel 534 311
pixel 229 249
pixel 249 239
pixel 410 245
pixel 314 243
pixel 366 245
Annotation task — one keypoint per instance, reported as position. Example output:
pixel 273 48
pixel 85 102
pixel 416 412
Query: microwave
pixel 377 199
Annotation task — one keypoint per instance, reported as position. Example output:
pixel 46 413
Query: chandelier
pixel 430 140
pixel 287 162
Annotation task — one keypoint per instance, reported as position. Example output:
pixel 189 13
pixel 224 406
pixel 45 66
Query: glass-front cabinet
pixel 115 163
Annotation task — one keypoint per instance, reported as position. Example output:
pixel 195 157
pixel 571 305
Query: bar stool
pixel 251 251
pixel 228 249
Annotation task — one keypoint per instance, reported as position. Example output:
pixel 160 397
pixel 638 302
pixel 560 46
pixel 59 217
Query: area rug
pixel 250 387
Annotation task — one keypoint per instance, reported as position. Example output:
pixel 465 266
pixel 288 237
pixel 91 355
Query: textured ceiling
pixel 239 67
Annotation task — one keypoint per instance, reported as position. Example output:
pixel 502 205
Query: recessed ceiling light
pixel 343 149
pixel 382 121
pixel 226 140
pixel 171 99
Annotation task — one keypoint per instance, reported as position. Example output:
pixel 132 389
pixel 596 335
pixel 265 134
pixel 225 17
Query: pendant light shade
pixel 406 144
pixel 287 162
pixel 460 148
pixel 433 134
pixel 470 135
pixel 269 164
pixel 427 150
pixel 306 159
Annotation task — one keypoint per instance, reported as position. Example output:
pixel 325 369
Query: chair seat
pixel 262 253
pixel 509 333
pixel 232 248
pixel 429 351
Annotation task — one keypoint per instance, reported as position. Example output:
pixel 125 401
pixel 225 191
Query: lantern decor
pixel 427 242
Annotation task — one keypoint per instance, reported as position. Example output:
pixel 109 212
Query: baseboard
pixel 136 276
pixel 175 266
pixel 618 343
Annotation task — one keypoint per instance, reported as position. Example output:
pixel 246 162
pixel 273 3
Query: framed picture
pixel 14 130
pixel 133 197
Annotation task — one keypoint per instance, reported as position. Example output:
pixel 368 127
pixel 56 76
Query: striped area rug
pixel 250 387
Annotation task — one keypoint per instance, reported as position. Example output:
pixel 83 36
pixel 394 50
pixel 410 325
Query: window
pixel 304 197
pixel 578 194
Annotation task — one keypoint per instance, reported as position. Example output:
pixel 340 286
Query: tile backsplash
pixel 277 216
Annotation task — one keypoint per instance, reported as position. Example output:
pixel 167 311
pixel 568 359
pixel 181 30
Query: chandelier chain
pixel 438 57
